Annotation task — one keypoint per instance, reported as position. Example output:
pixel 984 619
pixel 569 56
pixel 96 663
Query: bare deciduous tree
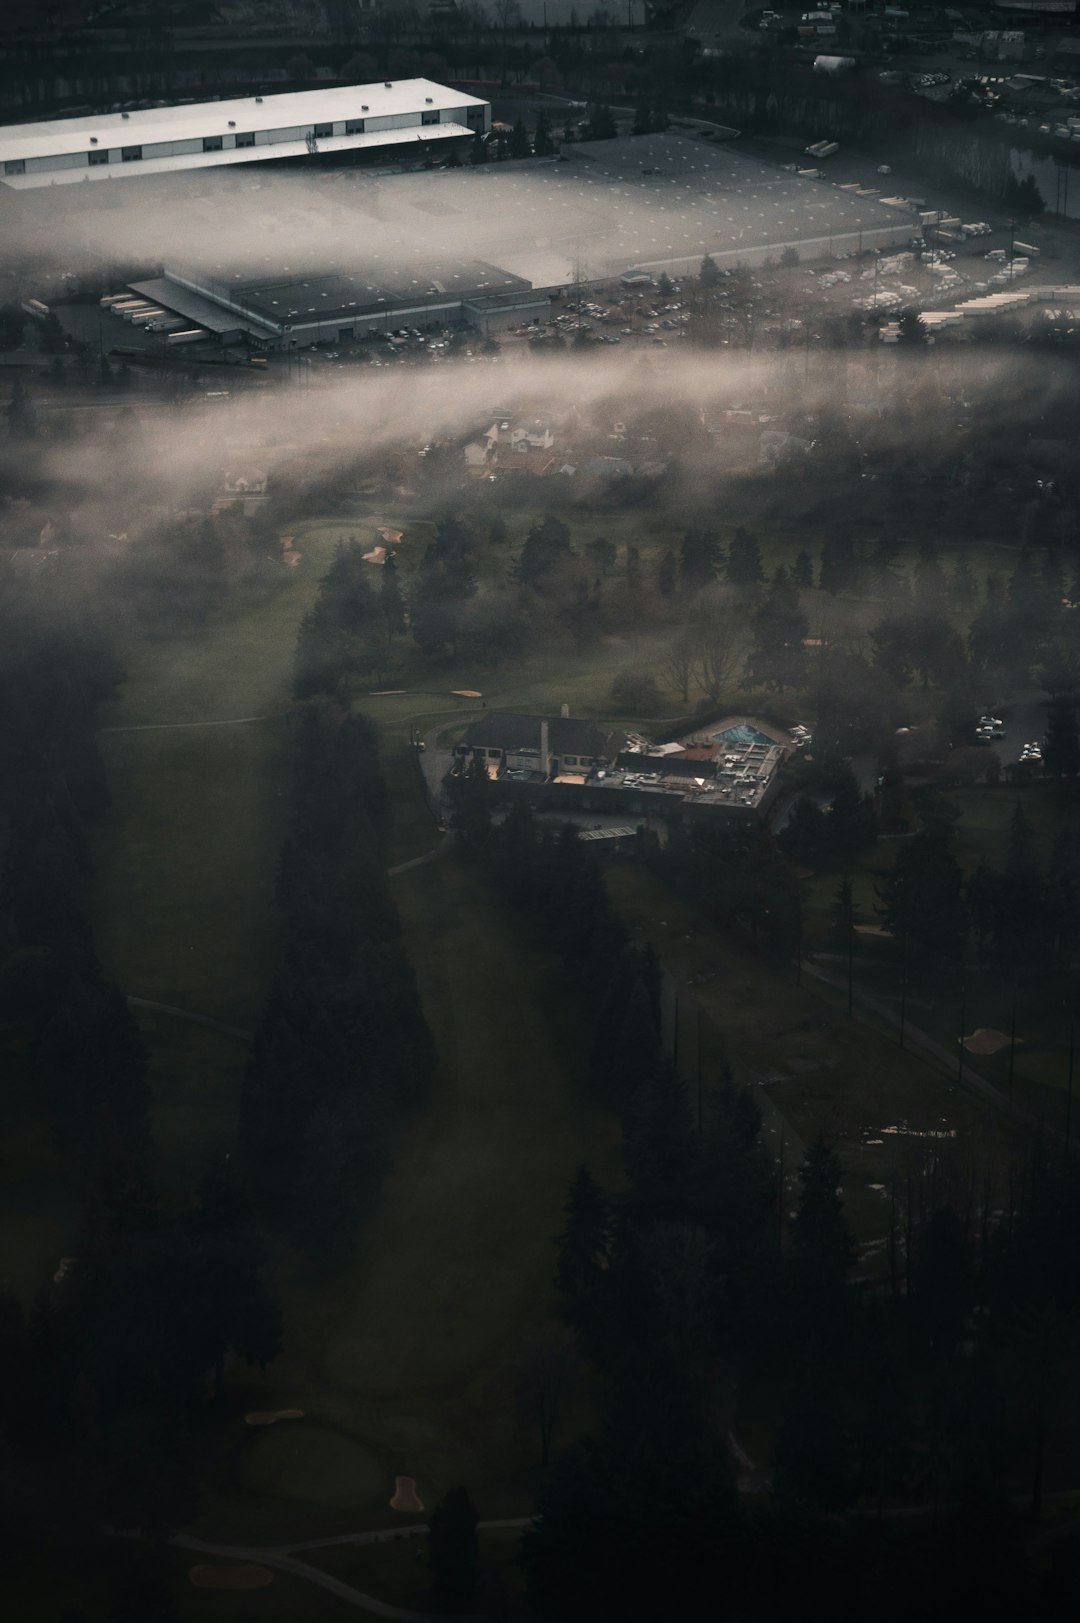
pixel 677 663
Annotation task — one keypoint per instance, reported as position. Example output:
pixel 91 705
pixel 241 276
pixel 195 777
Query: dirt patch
pixel 246 1577
pixel 405 1494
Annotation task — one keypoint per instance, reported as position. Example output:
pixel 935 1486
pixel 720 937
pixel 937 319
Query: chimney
pixel 565 712
pixel 545 753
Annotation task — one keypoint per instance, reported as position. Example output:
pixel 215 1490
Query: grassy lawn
pixel 799 1052
pixel 407 1363
pixel 1040 1068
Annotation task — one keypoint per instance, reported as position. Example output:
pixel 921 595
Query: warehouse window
pixel 246 139
pixel 15 166
pixel 354 126
pixel 322 131
pixel 130 154
pixel 97 157
pixel 211 143
pixel 429 118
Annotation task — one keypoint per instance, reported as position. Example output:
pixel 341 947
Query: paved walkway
pixel 172 726
pixel 282 1558
pixel 193 1019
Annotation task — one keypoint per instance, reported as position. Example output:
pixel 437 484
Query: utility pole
pixel 850 970
pixel 1012 1039
pixel 675 1035
pixel 699 1082
pixel 1068 1099
pixel 903 992
pixel 963 1022
pixel 780 1195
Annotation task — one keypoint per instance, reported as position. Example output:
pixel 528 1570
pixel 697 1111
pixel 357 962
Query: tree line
pixel 107 1379
pixel 342 1053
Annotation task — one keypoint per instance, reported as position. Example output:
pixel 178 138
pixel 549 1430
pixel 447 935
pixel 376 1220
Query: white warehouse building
pixel 338 121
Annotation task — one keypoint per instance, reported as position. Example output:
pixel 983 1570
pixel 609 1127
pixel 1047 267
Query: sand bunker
pixel 377 555
pixel 465 693
pixel 270 1417
pixel 986 1041
pixel 247 1577
pixel 405 1494
pixel 391 536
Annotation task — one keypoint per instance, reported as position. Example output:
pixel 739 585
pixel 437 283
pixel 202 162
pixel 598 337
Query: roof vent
pixel 428 100
pixel 232 123
pixel 387 84
pixel 93 140
pixel 258 101
pixel 363 107
pixel 125 115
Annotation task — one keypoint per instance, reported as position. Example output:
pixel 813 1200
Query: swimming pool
pixel 743 734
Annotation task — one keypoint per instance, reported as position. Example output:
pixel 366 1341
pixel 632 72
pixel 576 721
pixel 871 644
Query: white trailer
pixel 187 335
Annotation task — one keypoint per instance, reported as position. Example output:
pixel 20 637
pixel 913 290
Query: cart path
pixel 171 726
pixel 281 1557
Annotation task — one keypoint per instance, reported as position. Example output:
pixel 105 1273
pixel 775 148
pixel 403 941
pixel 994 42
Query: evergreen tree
pixel 543 145
pixel 391 603
pixel 777 657
pixel 845 918
pixel 962 587
pixel 519 141
pixel 744 566
pixel 814 1459
pixel 478 152
pixel 709 274
pixel 822 1249
pixel 584 1249
pixel 1061 745
pixel 601 124
pixel 660 1148
pixel 923 895
pixel 802 570
pixel 453 1551
pixel 230 1305
pixel 633 569
pixel 698 559
pixel 837 570
pixel 666 575
pixel 547 546
pixel 1020 852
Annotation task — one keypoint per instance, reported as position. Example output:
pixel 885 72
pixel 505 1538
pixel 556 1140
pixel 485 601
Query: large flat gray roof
pixel 148 125
pixel 278 299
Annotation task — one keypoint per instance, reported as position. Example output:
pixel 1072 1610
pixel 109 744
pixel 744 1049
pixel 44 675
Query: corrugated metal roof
pixel 374 139
pixel 147 125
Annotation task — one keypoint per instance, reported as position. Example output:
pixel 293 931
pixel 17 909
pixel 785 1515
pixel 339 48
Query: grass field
pixel 798 1051
pixel 1040 1068
pixel 408 1362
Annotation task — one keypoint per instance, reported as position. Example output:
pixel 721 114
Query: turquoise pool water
pixel 743 734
